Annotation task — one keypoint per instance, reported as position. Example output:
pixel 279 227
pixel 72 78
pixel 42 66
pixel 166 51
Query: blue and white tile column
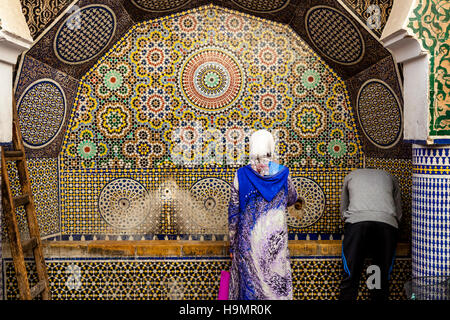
pixel 431 219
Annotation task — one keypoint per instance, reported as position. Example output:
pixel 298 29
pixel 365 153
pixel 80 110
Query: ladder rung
pixel 37 289
pixel 13 155
pixel 29 245
pixel 21 200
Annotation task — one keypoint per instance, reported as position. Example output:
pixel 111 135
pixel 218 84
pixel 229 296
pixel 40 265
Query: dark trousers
pixel 368 239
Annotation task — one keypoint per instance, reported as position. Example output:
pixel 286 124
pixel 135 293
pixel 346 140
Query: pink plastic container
pixel 224 285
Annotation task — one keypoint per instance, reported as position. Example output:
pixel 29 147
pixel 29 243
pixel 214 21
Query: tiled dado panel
pixel 151 278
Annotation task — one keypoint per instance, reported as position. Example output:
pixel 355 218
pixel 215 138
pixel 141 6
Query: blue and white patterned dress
pixel 260 268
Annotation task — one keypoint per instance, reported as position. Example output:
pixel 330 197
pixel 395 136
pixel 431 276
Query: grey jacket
pixel 371 195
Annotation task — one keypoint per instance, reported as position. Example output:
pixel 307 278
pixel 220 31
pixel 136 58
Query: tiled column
pixel 431 218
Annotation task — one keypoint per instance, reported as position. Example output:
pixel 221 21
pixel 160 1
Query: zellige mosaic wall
pixel 186 91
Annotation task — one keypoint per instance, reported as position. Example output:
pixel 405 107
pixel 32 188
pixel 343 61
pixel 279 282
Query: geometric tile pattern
pixel 366 92
pixel 124 203
pixel 159 5
pixel 261 5
pixel 155 100
pixel 319 279
pixel 210 199
pixel 81 196
pixel 39 13
pixel 84 34
pixel 333 34
pixel 310 203
pixel 175 195
pixel 354 29
pixel 430 23
pixel 379 113
pixel 323 120
pixel 81 33
pixel 167 99
pixel 211 79
pixel 402 170
pixel 41 111
pixel 320 130
pixel 431 211
pixel 180 203
pixel 183 278
pixel 326 185
pixel 365 11
pixel 288 12
pixel 45 97
pixel 44 185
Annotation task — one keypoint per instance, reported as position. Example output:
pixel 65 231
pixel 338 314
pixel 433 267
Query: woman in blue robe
pixel 261 192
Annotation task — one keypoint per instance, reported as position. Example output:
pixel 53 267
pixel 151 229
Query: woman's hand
pixel 231 255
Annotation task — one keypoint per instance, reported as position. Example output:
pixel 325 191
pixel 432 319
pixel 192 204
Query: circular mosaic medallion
pixel 334 35
pixel 41 110
pixel 84 34
pixel 262 5
pixel 310 204
pixel 211 80
pixel 124 203
pixel 159 5
pixel 379 114
pixel 210 198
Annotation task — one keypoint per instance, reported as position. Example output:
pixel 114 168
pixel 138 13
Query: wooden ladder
pixel 10 203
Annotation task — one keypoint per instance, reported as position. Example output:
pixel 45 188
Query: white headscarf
pixel 262 151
